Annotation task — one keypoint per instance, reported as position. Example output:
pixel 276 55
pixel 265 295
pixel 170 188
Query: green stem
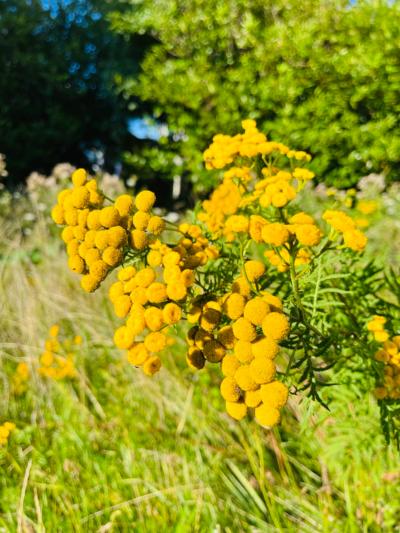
pixel 297 297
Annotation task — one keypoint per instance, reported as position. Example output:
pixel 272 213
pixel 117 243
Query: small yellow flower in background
pixel 20 378
pixel 307 234
pixel 275 326
pixel 244 330
pixel 237 224
pixel 141 220
pixel 54 330
pixel 230 390
pixel 303 174
pixel 5 430
pixel 377 326
pixel 361 222
pixel 57 360
pixel 244 379
pixel 109 217
pixel 274 393
pixel 229 365
pixel 138 239
pixel 156 225
pixel 262 370
pixel 152 365
pixel 155 341
pixel 353 238
pixel 252 398
pixel 79 177
pixel 367 207
pixel 256 310
pixel 389 356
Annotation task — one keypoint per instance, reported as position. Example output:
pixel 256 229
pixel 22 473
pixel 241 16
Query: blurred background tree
pixel 319 75
pixel 58 60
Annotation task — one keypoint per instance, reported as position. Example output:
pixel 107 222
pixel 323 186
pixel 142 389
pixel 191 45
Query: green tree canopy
pixel 319 75
pixel 57 93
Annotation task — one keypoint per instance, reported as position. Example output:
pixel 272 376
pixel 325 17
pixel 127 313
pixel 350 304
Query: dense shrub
pixel 321 75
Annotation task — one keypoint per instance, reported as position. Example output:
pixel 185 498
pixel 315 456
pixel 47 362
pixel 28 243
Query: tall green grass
pixel 117 451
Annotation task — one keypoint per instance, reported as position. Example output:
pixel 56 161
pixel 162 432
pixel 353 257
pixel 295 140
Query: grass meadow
pixel 114 450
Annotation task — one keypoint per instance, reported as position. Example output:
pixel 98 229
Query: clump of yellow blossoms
pixel 97 235
pixel 57 359
pixel 152 296
pixel 246 204
pixel 241 332
pixel 225 149
pixel 5 430
pixel 353 238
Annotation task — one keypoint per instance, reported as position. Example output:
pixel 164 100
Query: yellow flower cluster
pixel 20 378
pixel 193 247
pixel 152 297
pixel 5 430
pixel 229 209
pixel 242 332
pixel 246 204
pixel 301 229
pixel 377 327
pixel 389 354
pixel 275 189
pixel 225 148
pixel 57 359
pixel 143 301
pixel 353 238
pixel 97 236
pixel 224 201
pixel 94 234
pixel 145 225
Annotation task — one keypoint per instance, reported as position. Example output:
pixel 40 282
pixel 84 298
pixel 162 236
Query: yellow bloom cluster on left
pixel 389 354
pixel 5 430
pixel 95 235
pixel 57 359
